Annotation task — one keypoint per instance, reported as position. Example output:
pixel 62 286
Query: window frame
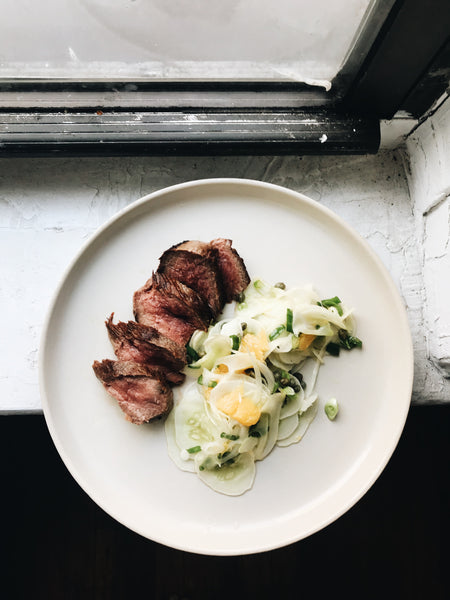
pixel 62 117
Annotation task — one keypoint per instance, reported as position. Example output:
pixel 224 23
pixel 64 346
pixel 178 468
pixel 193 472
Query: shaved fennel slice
pixel 291 405
pixel 304 421
pixel 272 408
pixel 287 426
pixel 261 440
pixel 173 449
pixel 192 424
pixel 233 478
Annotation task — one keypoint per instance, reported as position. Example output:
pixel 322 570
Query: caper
pixel 280 285
pixel 243 326
pixel 240 297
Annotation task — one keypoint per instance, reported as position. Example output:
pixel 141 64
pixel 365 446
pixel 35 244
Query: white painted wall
pixel 428 150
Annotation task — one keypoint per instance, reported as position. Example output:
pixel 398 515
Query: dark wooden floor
pixel 56 543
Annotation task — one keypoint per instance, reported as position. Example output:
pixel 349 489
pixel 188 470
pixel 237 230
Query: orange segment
pixel 257 344
pixel 239 407
pixel 305 340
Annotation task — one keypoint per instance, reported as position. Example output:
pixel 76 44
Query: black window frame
pixel 407 68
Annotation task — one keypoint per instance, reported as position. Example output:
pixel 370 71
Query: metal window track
pixel 186 132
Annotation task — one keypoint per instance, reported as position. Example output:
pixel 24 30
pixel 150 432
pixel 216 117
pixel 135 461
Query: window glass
pixel 296 40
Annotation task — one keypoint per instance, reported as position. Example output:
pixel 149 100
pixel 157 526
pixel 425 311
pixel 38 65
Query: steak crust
pixel 198 271
pixel 134 341
pixel 232 269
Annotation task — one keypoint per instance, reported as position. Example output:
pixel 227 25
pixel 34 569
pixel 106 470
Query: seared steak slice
pixel 142 391
pixel 191 304
pixel 175 328
pixel 232 269
pixel 197 270
pixel 142 344
pixel 169 313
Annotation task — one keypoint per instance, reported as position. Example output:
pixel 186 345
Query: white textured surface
pixel 49 207
pixel 429 179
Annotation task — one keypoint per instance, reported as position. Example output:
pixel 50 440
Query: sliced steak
pixel 196 269
pixel 188 302
pixel 142 391
pixel 232 269
pixel 167 313
pixel 175 328
pixel 142 344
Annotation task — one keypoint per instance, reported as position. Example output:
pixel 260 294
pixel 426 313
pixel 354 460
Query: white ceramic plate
pixel 282 236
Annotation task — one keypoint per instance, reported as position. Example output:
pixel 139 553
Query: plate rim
pixel 402 409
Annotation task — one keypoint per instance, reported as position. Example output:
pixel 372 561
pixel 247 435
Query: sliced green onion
pixel 212 384
pixel 236 341
pixel 289 320
pixel 335 301
pixel 263 287
pixel 194 449
pixel 229 436
pixel 200 379
pixel 276 332
pixel 191 354
pixel 331 409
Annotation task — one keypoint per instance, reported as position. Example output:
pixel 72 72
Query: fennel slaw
pixel 254 379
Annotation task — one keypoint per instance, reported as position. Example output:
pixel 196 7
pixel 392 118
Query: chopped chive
pixel 289 320
pixel 194 449
pixel 212 384
pixel 200 379
pixel 276 332
pixel 229 436
pixel 236 341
